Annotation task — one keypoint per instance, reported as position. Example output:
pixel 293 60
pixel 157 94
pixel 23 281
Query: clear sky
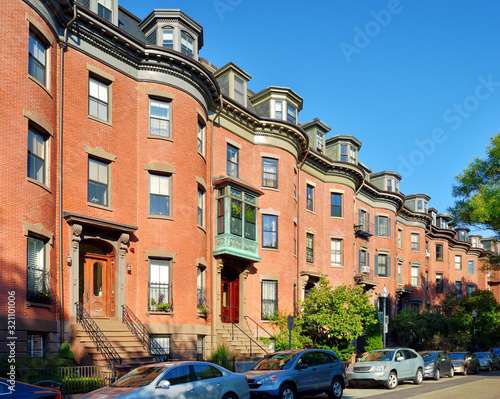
pixel 417 82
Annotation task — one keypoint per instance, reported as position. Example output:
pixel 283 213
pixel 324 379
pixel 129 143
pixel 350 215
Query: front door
pixel 98 290
pixel 230 305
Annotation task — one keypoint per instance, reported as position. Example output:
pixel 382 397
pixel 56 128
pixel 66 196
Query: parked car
pixel 496 351
pixel 387 367
pixel 21 390
pixel 293 373
pixel 176 380
pixel 464 362
pixel 488 361
pixel 436 364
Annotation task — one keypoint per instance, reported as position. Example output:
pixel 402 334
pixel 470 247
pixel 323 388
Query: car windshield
pixel 482 355
pixel 377 356
pixel 428 356
pixel 457 356
pixel 139 377
pixel 276 361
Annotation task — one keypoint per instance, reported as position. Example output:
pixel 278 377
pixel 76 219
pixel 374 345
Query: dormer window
pixel 278 109
pixel 187 45
pixel 168 38
pixel 104 9
pixel 319 141
pixel 420 206
pixel 291 114
pixel 347 153
pixel 352 155
pixel 396 186
pixel 239 90
pixel 389 185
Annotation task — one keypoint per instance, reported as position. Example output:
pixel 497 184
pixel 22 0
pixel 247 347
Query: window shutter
pixel 376 225
pixel 359 216
pixel 368 222
pixel 389 266
pixel 367 259
pixel 375 266
pixel 359 260
pixel 389 228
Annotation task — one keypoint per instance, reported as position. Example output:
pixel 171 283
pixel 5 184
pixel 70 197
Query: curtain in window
pixel 269 298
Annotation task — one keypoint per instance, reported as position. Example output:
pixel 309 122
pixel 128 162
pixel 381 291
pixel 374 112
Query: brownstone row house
pixel 141 180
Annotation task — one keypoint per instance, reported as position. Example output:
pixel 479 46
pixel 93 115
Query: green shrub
pixel 222 356
pixel 82 384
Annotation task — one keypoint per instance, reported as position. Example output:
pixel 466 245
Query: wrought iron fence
pixel 72 380
pixel 160 298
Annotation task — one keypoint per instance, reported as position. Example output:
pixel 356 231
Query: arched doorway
pixel 97 278
pixel 230 296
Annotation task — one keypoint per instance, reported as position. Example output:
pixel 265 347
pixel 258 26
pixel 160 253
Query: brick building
pixel 141 178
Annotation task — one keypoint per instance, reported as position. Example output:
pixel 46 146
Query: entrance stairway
pixel 241 343
pixel 120 337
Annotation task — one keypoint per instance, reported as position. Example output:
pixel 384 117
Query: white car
pixel 174 380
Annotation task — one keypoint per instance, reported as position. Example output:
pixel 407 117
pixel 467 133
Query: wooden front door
pixel 230 305
pixel 99 286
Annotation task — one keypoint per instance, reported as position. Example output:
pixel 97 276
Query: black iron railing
pixel 250 339
pixel 143 335
pixel 38 285
pixel 160 298
pixel 95 333
pixel 259 327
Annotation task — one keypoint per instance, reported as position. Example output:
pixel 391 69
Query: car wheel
pixel 230 396
pixel 437 374
pixel 452 372
pixel 336 389
pixel 465 370
pixel 477 369
pixel 489 367
pixel 419 377
pixel 287 392
pixel 392 380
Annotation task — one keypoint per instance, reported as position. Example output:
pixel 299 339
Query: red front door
pixel 230 305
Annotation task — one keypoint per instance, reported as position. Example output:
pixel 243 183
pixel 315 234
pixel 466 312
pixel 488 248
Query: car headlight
pixel 378 369
pixel 429 366
pixel 266 380
pixel 350 368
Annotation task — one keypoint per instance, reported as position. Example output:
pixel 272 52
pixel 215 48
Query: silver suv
pixel 288 374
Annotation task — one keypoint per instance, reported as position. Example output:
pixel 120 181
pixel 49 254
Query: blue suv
pixel 288 374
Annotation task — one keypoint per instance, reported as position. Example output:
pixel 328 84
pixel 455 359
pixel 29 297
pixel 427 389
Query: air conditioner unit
pixel 365 269
pixel 427 255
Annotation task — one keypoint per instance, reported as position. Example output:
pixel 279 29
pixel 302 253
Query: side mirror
pixel 163 384
pixel 400 358
pixel 302 366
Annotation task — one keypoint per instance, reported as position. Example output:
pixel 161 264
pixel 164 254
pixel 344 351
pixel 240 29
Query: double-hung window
pixel 104 9
pixel 336 247
pixel 343 153
pixel 458 288
pixel 37 154
pixel 470 289
pixel 168 38
pixel 98 182
pixel 439 252
pixel 159 118
pixel 382 263
pixel 415 242
pixel 269 298
pixel 400 238
pixel 269 172
pixel 270 231
pixel 415 276
pixel 309 248
pixel 159 194
pixel 201 295
pixel 439 283
pixel 310 198
pixel 37 66
pixel 336 205
pixel 291 113
pixel 239 90
pixel 37 275
pixel 383 226
pixel 98 99
pixel 201 138
pixel 187 45
pixel 458 262
pixel 471 266
pixel 319 141
pixel 160 288
pixel 232 161
pixel 389 185
pixel 201 207
pixel 352 155
pixel 278 110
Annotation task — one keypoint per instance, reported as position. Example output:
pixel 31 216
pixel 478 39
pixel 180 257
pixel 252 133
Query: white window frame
pixel 99 97
pixel 36 266
pixel 336 252
pixel 400 238
pixel 458 262
pixel 269 301
pixel 187 45
pixel 201 138
pixel 269 176
pixel 201 207
pixel 239 90
pixel 162 118
pixel 167 33
pixel 415 276
pixel 415 242
pixel 38 58
pixel 160 273
pixel 37 155
pixel 99 176
pixel 291 113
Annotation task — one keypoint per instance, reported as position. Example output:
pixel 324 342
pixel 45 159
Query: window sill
pixel 105 208
pixel 202 228
pixel 45 88
pixel 163 217
pixel 39 184
pixel 152 136
pixel 270 249
pixel 110 124
pixel 29 304
pixel 308 210
pixel 270 188
pixel 338 266
pixel 337 217
pixel 159 312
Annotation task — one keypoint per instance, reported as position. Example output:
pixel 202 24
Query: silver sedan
pixel 179 380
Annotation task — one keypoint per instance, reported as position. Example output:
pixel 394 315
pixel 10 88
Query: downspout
pixel 297 298
pixel 354 237
pixel 64 47
pixel 213 225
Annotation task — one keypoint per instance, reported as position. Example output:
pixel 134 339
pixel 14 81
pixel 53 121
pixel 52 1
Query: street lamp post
pixel 384 295
pixel 474 315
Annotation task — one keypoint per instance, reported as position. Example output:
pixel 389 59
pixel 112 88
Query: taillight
pixel 58 396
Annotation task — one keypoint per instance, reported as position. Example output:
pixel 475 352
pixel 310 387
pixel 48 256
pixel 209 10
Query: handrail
pixel 100 341
pixel 248 336
pixel 143 335
pixel 258 325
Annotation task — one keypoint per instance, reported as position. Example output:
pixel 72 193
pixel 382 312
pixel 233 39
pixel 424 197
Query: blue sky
pixel 417 82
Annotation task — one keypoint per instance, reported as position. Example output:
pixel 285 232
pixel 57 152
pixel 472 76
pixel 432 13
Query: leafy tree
pixel 281 337
pixel 477 193
pixel 334 317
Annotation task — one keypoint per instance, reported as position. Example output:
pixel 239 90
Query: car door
pixel 181 384
pixel 324 370
pixel 403 364
pixel 209 381
pixel 447 364
pixel 305 378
